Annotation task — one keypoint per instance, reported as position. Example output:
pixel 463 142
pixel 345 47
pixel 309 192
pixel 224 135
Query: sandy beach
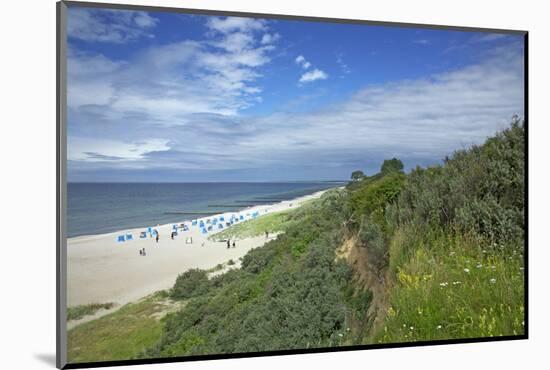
pixel 100 269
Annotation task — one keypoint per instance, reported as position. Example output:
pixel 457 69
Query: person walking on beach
pixel 157 236
pixel 228 244
pixel 233 244
pixel 267 234
pixel 144 252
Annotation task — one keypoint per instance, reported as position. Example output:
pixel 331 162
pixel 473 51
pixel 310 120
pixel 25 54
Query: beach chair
pixel 174 227
pixel 121 238
pixel 214 221
pixel 189 240
pixel 154 233
pixel 208 221
pixel 241 217
pixel 227 224
pixel 129 237
pixel 143 235
pixel 194 223
pixel 220 226
pixel 210 228
pixel 149 230
pixel 204 231
pixel 222 218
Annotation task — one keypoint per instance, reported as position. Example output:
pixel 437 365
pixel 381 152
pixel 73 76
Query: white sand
pixel 100 269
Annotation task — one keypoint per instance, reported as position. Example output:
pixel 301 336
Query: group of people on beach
pixel 229 244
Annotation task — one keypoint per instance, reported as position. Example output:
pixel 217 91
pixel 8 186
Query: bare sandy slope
pixel 100 269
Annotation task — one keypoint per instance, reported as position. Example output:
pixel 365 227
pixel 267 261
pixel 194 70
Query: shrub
pixel 190 284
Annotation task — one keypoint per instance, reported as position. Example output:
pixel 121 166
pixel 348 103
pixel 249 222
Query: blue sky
pixel 174 97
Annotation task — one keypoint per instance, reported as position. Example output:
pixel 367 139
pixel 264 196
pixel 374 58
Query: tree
pixel 357 175
pixel 391 165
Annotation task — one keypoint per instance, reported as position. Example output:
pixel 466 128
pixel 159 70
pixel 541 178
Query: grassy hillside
pixel 455 265
pixel 394 257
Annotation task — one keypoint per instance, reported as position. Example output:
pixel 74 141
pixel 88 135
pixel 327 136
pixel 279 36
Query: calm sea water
pixel 101 208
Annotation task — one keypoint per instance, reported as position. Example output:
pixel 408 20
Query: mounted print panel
pixel 236 185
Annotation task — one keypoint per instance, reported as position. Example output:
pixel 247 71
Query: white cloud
pixel 270 38
pixel 232 24
pixel 300 60
pixel 314 75
pixel 101 150
pixel 111 26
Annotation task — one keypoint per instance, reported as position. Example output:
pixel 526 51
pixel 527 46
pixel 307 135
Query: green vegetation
pixel 78 312
pixel 291 293
pixel 272 223
pixel 456 249
pixel 122 334
pixel 393 257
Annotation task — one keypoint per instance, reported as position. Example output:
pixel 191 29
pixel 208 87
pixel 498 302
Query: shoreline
pixel 181 221
pixel 101 270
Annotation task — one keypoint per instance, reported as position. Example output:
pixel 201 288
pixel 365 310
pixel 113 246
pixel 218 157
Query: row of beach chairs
pixel 205 226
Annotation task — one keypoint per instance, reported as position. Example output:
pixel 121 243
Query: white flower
pixel 479 265
pixel 521 268
pixel 412 328
pixel 443 284
pixel 456 282
pixel 439 326
pixel 466 270
pixel 493 281
pixel 340 335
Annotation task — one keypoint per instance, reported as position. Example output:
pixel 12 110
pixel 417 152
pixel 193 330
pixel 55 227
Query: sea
pixel 98 208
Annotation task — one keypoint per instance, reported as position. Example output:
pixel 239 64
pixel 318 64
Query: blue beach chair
pixel 241 217
pixel 222 218
pixel 129 237
pixel 220 226
pixel 204 231
pixel 143 235
pixel 121 238
pixel 194 223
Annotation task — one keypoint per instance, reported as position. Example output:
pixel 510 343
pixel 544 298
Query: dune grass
pixel 272 223
pixel 121 335
pixel 78 312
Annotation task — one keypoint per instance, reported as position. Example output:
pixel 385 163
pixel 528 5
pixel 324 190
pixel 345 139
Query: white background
pixel 27 200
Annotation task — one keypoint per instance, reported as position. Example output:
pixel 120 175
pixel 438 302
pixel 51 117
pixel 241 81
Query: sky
pixel 165 97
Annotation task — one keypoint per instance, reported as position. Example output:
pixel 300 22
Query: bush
pixel 190 284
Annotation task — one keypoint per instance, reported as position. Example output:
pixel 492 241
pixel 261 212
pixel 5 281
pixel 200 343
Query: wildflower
pixel 466 270
pixel 439 326
pixel 523 323
pixel 456 282
pixel 412 328
pixel 452 254
pixel 484 251
pixel 404 325
pixel 521 268
pixel 493 281
pixel 493 267
pixel 340 335
pixel 479 265
pixel 443 284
